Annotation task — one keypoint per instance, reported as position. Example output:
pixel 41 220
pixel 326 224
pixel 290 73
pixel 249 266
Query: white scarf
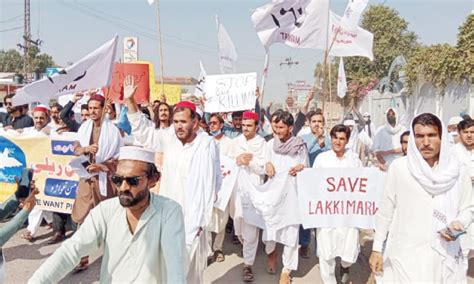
pixel 201 185
pixel 442 182
pixel 109 144
pixel 393 129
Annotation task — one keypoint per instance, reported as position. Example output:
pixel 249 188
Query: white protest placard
pixel 230 92
pixel 230 172
pixel 339 197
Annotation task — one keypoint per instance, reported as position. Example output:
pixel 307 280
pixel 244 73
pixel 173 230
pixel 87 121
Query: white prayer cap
pixel 366 114
pixel 136 153
pixel 454 120
pixel 349 122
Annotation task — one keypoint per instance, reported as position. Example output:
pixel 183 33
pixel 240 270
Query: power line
pixel 13 19
pixel 185 44
pixel 11 29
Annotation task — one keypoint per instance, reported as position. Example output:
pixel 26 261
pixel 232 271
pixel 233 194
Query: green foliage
pixel 12 61
pixel 442 63
pixel 391 39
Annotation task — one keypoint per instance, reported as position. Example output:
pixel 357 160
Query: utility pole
pixel 26 42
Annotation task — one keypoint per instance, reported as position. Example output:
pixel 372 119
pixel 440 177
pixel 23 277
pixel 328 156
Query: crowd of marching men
pixel 174 153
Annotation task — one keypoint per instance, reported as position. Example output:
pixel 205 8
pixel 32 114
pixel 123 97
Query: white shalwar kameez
pixel 154 253
pixel 288 235
pixel 190 176
pixel 334 242
pixel 219 218
pixel 418 201
pixel 466 158
pixel 387 138
pixel 256 171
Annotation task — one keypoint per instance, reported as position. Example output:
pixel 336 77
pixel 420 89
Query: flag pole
pixel 264 75
pixel 161 51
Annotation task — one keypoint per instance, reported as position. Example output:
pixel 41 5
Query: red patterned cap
pixel 250 115
pixel 186 104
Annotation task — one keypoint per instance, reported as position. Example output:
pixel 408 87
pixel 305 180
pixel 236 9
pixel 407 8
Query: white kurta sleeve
pixel 173 245
pixel 384 216
pixel 466 210
pixel 87 239
pixel 144 131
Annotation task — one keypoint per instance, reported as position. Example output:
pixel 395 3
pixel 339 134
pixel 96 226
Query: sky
pixel 70 29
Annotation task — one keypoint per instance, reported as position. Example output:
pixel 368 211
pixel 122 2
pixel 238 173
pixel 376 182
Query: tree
pixel 465 44
pixel 12 61
pixel 391 38
pixel 440 64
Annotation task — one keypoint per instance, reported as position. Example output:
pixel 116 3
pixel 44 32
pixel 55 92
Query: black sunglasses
pixel 133 181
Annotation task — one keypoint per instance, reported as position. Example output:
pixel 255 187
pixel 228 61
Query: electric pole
pixel 26 42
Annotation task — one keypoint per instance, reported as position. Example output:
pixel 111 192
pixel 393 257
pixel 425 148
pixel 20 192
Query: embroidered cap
pixel 136 153
pixel 186 104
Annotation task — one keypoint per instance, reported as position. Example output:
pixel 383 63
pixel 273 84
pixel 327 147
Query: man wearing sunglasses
pixel 191 171
pixel 15 118
pixel 142 233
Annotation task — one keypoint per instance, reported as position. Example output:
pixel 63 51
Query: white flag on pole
pixel 297 23
pixel 150 2
pixel 199 89
pixel 348 43
pixel 350 19
pixel 227 53
pixel 341 80
pixel 92 71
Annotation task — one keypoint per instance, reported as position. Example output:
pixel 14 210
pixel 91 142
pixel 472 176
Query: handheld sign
pixel 347 197
pixel 231 92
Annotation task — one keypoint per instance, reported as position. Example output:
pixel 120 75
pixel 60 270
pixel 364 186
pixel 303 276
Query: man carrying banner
pixel 191 171
pixel 40 118
pixel 99 143
pixel 142 233
pixel 285 154
pixel 248 150
pixel 337 242
pixel 425 207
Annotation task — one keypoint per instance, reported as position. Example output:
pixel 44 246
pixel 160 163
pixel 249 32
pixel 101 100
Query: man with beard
pixel 99 142
pixel 55 122
pixel 248 150
pixel 41 118
pixel 286 154
pixel 142 233
pixel 387 140
pixel 425 206
pixel 404 142
pixel 15 118
pixel 191 171
pixel 162 117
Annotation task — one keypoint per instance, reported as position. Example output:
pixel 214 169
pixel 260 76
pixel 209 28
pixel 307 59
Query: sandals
pixel 219 256
pixel 27 236
pixel 83 265
pixel 248 274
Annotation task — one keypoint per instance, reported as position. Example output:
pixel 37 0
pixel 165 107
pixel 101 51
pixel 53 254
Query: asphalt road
pixel 23 258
